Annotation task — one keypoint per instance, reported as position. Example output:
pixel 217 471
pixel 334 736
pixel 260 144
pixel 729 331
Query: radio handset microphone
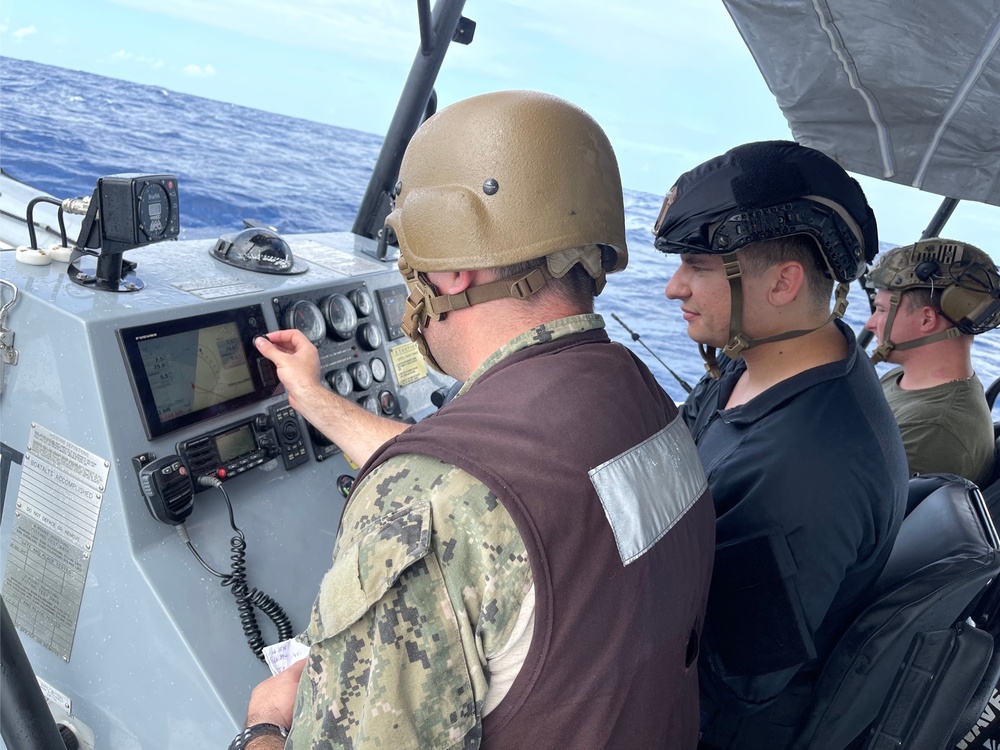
pixel 168 489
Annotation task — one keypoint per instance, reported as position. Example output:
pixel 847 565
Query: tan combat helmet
pixel 499 179
pixel 967 278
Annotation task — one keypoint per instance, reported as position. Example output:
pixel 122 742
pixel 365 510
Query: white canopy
pixel 901 90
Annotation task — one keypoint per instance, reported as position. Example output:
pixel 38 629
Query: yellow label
pixel 408 363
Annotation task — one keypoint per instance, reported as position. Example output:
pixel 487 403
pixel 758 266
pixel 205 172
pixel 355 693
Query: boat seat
pixel 991 488
pixel 921 485
pixel 941 563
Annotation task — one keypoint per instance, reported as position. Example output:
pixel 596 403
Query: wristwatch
pixel 241 740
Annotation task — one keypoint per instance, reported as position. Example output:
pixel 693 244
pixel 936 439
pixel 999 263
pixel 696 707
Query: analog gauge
pixel 154 211
pixel 306 317
pixel 362 375
pixel 344 483
pixel 388 402
pixel 362 300
pixel 378 369
pixel 340 315
pixel 370 335
pixel 371 404
pixel 340 381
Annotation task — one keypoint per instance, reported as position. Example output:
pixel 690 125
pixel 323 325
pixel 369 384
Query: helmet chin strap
pixel 415 317
pixel 738 340
pixel 882 351
pixel 424 303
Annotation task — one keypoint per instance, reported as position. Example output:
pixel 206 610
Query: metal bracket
pixel 8 354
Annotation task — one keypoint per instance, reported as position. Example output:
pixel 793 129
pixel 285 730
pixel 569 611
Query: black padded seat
pixel 991 488
pixel 921 485
pixel 943 559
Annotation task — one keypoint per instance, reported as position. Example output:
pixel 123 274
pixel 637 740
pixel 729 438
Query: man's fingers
pixel 274 342
pixel 295 669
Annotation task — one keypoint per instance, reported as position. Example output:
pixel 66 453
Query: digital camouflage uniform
pixel 429 576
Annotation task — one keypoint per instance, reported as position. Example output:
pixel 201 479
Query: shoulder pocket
pixel 369 563
pixel 755 620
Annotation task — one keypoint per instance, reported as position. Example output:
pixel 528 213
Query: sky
pixel 670 81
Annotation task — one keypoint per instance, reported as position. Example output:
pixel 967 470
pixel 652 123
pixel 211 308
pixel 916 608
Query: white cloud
pixel 130 57
pixel 25 32
pixel 693 32
pixel 199 71
pixel 370 29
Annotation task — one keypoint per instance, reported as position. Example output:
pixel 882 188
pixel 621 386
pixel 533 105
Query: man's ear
pixel 451 282
pixel 930 319
pixel 786 281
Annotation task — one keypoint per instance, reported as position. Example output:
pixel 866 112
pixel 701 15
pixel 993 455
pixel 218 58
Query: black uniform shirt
pixel 809 481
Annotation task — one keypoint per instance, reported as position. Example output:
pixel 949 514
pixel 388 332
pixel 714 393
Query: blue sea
pixel 63 129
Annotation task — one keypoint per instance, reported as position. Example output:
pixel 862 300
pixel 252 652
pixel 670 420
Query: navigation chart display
pixel 188 370
pixel 196 369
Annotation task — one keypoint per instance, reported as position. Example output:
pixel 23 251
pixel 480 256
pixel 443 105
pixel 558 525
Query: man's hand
pixel 356 431
pixel 273 701
pixel 297 362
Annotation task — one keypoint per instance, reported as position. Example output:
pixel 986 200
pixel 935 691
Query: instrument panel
pixel 350 333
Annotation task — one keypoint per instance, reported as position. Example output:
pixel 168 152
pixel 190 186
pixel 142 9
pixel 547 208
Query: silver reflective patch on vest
pixel 649 488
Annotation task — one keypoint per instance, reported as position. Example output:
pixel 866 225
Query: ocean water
pixel 60 130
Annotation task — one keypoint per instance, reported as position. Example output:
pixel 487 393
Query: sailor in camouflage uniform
pixel 528 566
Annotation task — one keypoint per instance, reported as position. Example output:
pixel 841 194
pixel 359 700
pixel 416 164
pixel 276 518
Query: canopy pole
pixel 940 218
pixel 437 31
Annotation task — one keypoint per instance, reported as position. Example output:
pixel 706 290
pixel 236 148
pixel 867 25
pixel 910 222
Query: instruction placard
pixel 408 363
pixel 58 503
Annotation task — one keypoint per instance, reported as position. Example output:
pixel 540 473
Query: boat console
pixel 127 411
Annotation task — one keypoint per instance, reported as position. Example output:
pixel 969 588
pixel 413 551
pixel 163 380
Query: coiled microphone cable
pixel 236 581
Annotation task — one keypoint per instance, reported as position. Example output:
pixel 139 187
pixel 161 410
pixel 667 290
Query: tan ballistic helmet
pixel 506 177
pixel 967 278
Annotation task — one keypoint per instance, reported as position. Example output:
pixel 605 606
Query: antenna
pixel 635 337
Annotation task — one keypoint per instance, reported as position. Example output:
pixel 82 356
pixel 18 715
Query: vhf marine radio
pixel 229 451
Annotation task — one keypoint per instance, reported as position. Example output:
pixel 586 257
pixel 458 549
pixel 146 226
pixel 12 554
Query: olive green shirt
pixel 946 428
pixel 429 577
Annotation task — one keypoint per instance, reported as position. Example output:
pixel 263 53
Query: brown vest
pixel 612 657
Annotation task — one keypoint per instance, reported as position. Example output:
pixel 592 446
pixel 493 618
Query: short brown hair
pixel 921 297
pixel 757 257
pixel 576 286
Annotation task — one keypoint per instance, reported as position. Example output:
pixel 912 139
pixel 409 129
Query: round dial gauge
pixel 362 375
pixel 371 404
pixel 362 300
pixel 154 211
pixel 378 369
pixel 306 317
pixel 340 315
pixel 388 402
pixel 341 382
pixel 371 335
